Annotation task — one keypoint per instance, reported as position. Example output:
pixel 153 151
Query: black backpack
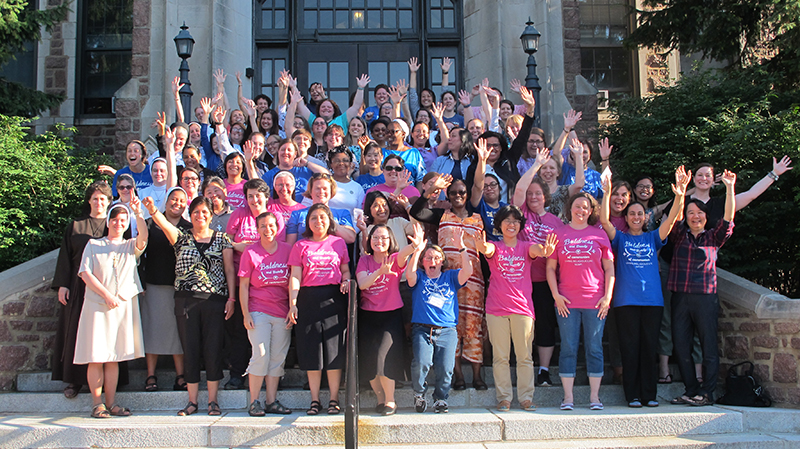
pixel 742 389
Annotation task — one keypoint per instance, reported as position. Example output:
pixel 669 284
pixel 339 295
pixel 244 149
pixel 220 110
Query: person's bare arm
pixel 571 118
pixel 437 109
pixel 296 100
pixel 170 231
pixel 219 78
pixel 525 180
pixel 169 148
pixel 729 179
pixel 230 277
pixel 605 210
pixel 466 101
pixel 604 303
pixel 480 172
pixel 294 289
pixel 679 189
pixel 580 172
pixel 176 87
pixel 778 168
pixel 240 99
pixel 358 99
pixel 445 73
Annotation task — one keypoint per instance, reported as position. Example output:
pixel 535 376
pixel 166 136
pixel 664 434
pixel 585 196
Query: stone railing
pixel 755 324
pixel 761 326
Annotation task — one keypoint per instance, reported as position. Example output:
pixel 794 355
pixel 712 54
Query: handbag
pixel 742 389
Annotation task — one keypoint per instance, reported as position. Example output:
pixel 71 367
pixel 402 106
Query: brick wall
pixel 773 345
pixel 28 322
pixel 587 104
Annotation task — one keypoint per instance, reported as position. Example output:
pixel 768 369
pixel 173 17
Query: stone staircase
pixel 38 416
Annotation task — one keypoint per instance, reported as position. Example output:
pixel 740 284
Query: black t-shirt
pixel 159 258
pixel 716 211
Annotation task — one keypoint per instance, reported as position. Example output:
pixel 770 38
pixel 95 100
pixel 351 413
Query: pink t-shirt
pixel 285 212
pixel 581 278
pixel 321 261
pixel 410 192
pixel 235 197
pixel 269 279
pixel 619 223
pixel 384 294
pixel 242 226
pixel 510 289
pixel 537 228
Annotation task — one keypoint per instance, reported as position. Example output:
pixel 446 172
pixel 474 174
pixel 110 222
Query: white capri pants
pixel 270 340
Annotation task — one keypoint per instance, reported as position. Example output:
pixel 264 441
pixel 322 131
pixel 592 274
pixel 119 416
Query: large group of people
pixel 465 233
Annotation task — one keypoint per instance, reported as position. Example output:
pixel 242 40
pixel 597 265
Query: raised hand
pixel 161 122
pixel 483 152
pixel 606 181
pixel 576 148
pixel 296 98
pixel 728 178
pixel 249 107
pixel 219 115
pixel 168 140
pixel 220 76
pixel 571 118
pixel 464 98
pixel 106 170
pixel 205 103
pixel 403 179
pixel 363 141
pixel 239 77
pixel 458 237
pixel 361 223
pixel 135 204
pixel 443 181
pixel 385 268
pixel 402 86
pixel 527 96
pixel 516 85
pixel 418 239
pixel 150 205
pixel 605 148
pixel 542 156
pixel 446 64
pixel 395 95
pixel 176 86
pixel 249 149
pixel 781 167
pixel 437 109
pixel 283 79
pixel 218 97
pixel 549 245
pixel 413 64
pixel 363 81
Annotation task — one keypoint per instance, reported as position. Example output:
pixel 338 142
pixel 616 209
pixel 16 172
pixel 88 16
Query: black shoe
pixel 235 383
pixel 543 379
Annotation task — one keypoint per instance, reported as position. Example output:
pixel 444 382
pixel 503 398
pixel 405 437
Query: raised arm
pixel 405 110
pixel 466 101
pixel 413 94
pixel 571 118
pixel 445 73
pixel 729 179
pixel 358 100
pixel 679 189
pixel 176 87
pixel 543 250
pixel 219 78
pixel 397 98
pixel 249 156
pixel 283 89
pixel 530 102
pixel 580 174
pixel 161 221
pixel 240 99
pixel 605 153
pixel 466 264
pixel 141 226
pixel 605 210
pixel 542 156
pixel 169 147
pixel 483 247
pixel 413 262
pixel 295 101
pixel 437 109
pixel 480 172
pixel 778 168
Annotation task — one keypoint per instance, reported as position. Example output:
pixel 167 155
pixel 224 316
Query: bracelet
pixel 360 88
pixel 772 175
pixel 231 299
pixel 604 160
pixel 567 131
pixel 445 72
pixel 462 250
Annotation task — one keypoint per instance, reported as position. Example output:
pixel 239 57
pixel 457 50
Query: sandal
pixel 180 386
pixel 700 400
pixel 567 406
pixel 460 385
pixel 333 407
pixel 72 390
pixel 100 411
pixel 504 406
pixel 480 385
pixel 528 406
pixel 596 406
pixel 276 408
pixel 379 408
pixel 118 410
pixel 151 386
pixel 666 379
pixel 213 409
pixel 256 409
pixel 190 409
pixel 315 408
pixel 680 400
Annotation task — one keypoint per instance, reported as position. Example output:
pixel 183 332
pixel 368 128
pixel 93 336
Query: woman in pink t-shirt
pixel 282 202
pixel 264 296
pixel 234 179
pixel 509 306
pixel 381 332
pixel 581 277
pixel 318 305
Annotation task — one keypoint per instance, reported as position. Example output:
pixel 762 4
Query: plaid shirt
pixel 694 263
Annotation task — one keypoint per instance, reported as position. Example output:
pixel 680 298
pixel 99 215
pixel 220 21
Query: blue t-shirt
pixel 368 181
pixel 637 280
pixel 413 162
pixel 487 214
pixel 142 180
pixel 301 177
pixel 593 184
pixel 297 221
pixel 435 301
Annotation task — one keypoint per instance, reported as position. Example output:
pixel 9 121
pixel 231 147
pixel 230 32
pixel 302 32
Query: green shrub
pixel 42 181
pixel 735 121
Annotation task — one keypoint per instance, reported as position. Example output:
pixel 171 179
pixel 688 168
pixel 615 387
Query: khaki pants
pixel 502 331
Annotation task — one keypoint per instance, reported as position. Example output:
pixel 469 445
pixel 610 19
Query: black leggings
pixel 204 337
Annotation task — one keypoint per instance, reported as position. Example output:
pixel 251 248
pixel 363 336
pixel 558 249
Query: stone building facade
pixel 115 71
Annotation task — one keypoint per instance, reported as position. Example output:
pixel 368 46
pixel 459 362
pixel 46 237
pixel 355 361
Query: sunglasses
pixel 124 187
pixel 393 168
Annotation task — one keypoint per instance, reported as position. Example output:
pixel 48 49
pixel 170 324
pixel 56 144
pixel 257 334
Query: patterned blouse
pixel 198 271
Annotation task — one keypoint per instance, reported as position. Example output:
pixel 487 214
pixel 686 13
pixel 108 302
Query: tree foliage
pixel 736 121
pixel 20 24
pixel 42 181
pixel 724 30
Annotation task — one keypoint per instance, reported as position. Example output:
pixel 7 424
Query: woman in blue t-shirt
pixel 638 302
pixel 435 315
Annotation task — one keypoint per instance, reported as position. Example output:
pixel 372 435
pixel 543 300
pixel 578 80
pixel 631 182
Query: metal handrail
pixel 351 382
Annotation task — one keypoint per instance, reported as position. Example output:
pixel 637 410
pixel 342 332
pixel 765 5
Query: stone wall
pixel 28 318
pixel 773 345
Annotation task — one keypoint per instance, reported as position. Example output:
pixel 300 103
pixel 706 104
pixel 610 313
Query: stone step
pixel 470 425
pixel 297 399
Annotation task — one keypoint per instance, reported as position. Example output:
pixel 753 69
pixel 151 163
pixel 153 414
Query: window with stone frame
pixel 604 62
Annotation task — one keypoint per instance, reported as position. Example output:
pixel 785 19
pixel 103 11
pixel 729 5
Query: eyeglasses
pixel 433 258
pixel 396 131
pixel 536 142
pixel 190 179
pixel 339 161
pixel 494 145
pixel 644 187
pixel 511 222
pixel 124 187
pixel 491 185
pixel 393 167
pixel 458 192
pixel 381 237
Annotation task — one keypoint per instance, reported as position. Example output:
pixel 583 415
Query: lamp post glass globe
pixel 530 38
pixel 184 42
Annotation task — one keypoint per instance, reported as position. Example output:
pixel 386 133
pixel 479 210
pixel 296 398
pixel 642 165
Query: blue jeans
pixel 570 330
pixel 437 348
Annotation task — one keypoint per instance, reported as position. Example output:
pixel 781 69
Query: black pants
pixel 696 312
pixel 638 328
pixel 237 344
pixel 544 333
pixel 204 334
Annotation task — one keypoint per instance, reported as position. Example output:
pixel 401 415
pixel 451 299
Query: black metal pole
pixel 351 383
pixel 532 83
pixel 186 91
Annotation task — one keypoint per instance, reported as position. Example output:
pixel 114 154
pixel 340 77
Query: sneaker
pixel 543 379
pixel 420 403
pixel 440 406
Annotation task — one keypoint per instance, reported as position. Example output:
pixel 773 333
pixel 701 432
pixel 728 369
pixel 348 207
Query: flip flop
pixel 666 379
pixel 567 406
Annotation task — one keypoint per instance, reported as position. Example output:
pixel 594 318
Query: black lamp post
pixel 530 44
pixel 184 43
